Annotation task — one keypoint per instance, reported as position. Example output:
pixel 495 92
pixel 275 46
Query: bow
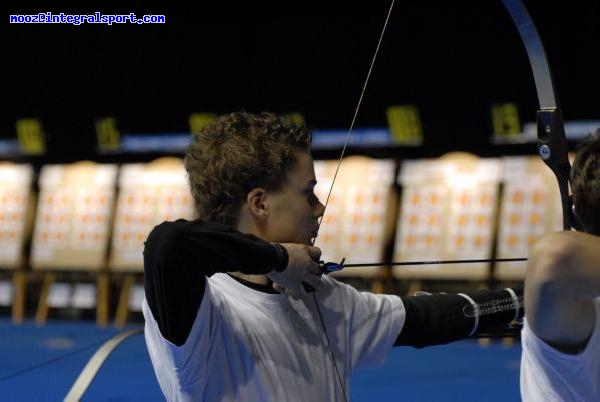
pixel 551 139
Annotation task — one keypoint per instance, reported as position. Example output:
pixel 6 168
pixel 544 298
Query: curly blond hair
pixel 236 153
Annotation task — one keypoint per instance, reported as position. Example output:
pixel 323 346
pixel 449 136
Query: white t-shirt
pixel 548 375
pixel 247 345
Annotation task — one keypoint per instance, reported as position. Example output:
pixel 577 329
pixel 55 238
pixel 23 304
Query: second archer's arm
pixel 563 278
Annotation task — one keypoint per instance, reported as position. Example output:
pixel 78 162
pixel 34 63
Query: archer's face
pixel 294 210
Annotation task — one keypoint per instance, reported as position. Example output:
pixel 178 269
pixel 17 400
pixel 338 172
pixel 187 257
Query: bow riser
pixel 553 149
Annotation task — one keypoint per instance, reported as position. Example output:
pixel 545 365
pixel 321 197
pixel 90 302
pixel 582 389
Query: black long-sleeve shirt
pixel 180 255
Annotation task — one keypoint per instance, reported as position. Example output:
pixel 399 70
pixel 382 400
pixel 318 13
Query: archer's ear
pixel 257 202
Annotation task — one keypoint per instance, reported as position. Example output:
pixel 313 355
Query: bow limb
pixel 551 139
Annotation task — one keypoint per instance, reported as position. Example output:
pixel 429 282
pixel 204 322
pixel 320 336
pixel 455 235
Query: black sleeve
pixel 438 319
pixel 178 256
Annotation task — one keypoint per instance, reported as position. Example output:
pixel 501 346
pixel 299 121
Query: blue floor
pixel 41 363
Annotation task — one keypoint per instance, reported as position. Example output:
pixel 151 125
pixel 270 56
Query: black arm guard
pixel 435 319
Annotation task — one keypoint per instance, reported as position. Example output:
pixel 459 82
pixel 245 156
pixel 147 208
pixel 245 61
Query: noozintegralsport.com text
pixel 78 19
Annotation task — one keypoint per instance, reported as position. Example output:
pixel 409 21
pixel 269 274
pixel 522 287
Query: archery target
pixel 530 208
pixel 15 194
pixel 149 193
pixel 355 225
pixel 73 217
pixel 447 213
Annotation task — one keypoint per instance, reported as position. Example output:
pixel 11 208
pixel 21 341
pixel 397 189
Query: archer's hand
pixel 303 266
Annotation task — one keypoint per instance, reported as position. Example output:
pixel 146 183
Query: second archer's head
pixel 585 183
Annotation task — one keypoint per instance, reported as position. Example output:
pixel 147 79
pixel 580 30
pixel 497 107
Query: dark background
pixel 451 59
